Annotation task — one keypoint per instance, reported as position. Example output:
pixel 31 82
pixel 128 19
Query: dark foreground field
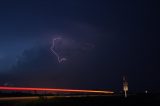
pixel 136 100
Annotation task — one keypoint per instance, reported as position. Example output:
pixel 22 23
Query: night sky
pixel 102 40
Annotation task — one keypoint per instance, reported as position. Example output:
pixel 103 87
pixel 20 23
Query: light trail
pixel 19 98
pixel 46 97
pixel 55 53
pixel 54 90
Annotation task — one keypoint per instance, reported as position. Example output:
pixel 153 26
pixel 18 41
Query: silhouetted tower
pixel 125 86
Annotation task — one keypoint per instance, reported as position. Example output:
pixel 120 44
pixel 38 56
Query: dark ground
pixel 134 100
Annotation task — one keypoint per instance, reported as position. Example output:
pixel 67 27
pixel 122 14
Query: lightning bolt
pixel 54 52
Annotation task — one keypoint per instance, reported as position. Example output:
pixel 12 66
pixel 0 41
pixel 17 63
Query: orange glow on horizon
pixel 53 89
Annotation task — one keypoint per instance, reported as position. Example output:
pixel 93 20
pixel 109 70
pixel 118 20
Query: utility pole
pixel 125 86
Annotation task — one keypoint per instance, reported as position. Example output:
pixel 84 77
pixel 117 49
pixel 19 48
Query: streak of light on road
pixel 44 97
pixel 18 98
pixel 53 89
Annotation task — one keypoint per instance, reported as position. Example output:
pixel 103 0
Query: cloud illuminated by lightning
pixel 64 48
pixel 54 51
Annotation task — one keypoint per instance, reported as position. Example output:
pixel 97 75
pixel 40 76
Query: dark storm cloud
pixel 39 63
